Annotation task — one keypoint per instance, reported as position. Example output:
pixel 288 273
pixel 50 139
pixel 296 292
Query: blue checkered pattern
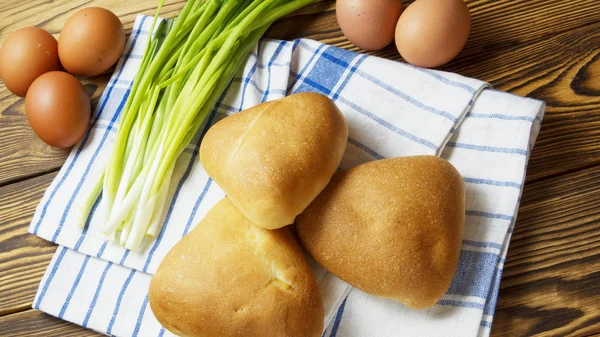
pixel 392 109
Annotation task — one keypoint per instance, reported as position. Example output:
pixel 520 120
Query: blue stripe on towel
pixel 55 267
pixel 365 148
pixel 351 72
pixel 462 304
pixel 119 299
pixel 327 91
pixel 305 68
pixel 308 83
pixel 492 298
pixel 249 78
pixel 73 287
pixel 96 295
pixel 388 125
pixel 257 87
pixel 85 261
pixel 87 223
pixel 327 71
pixel 101 250
pixel 437 76
pixel 444 79
pixel 490 215
pixel 196 205
pixel 482 244
pixel 407 97
pixel 273 58
pixel 493 182
pixel 140 319
pixel 474 274
pixel 500 116
pixel 338 319
pixel 488 148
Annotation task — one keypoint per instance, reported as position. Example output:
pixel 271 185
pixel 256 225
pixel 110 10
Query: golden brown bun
pixel 392 228
pixel 273 159
pixel 230 278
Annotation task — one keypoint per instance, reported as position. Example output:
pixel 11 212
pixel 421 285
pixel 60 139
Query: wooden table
pixel 545 49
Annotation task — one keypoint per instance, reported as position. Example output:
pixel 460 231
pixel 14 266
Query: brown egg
pixel 369 24
pixel 432 32
pixel 25 55
pixel 58 109
pixel 91 42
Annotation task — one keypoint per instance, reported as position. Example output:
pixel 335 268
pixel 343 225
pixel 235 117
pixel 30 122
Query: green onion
pixel 187 64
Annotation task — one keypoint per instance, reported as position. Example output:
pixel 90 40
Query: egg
pixel 368 24
pixel 58 109
pixel 430 33
pixel 25 55
pixel 91 41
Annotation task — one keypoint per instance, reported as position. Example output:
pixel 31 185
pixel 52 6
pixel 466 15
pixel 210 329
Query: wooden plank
pixel 544 49
pixel 36 323
pixel 541 49
pixel 562 71
pixel 551 274
pixel 551 280
pixel 22 153
pixel 23 257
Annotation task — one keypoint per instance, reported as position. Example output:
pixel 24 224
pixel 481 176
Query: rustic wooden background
pixel 545 49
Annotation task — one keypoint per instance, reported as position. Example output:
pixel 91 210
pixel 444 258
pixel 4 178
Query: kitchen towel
pixel 392 109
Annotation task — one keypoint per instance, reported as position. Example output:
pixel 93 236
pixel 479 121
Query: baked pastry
pixel 392 228
pixel 228 277
pixel 273 159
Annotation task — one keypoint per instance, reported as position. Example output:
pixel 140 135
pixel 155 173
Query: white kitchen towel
pixel 392 109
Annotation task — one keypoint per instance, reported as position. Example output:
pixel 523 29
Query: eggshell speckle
pixel 91 41
pixel 25 55
pixel 430 33
pixel 58 109
pixel 369 24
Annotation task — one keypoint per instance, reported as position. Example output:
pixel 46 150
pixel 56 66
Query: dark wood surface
pixel 545 49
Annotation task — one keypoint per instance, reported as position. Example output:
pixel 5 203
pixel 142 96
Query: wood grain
pixel 36 323
pixel 551 280
pixel 22 153
pixel 543 49
pixel 548 50
pixel 23 257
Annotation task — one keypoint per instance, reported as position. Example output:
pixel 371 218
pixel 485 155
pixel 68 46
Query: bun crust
pixel 230 278
pixel 273 159
pixel 392 228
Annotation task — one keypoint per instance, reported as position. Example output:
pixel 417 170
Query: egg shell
pixel 431 33
pixel 25 55
pixel 368 24
pixel 58 109
pixel 91 42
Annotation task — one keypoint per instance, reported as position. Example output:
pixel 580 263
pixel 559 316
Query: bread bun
pixel 230 278
pixel 273 159
pixel 392 228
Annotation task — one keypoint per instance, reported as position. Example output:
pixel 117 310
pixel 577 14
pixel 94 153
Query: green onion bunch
pixel 187 64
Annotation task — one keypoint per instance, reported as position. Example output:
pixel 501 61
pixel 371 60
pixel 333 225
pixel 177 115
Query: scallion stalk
pixel 187 64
